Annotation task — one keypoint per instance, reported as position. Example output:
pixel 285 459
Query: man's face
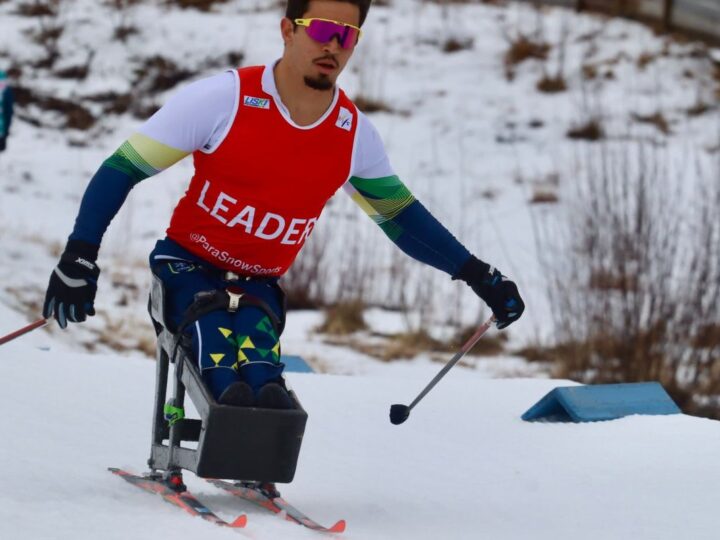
pixel 319 64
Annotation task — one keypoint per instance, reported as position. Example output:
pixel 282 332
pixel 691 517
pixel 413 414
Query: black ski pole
pixel 24 330
pixel 399 413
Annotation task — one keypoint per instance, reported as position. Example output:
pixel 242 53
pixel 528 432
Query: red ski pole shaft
pixel 24 330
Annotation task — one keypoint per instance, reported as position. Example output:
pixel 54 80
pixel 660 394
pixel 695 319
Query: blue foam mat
pixel 296 364
pixel 602 402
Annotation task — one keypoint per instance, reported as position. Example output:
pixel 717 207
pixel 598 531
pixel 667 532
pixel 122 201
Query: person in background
pixel 6 109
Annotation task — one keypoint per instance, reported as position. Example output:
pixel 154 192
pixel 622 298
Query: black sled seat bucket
pixel 234 443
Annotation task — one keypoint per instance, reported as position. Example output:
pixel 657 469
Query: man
pixel 6 109
pixel 271 144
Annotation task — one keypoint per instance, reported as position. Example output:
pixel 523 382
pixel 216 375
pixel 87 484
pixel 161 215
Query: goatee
pixel 321 82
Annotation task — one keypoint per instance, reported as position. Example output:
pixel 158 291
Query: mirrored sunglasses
pixel 325 30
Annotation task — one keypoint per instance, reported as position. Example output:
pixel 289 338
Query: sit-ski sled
pixel 244 450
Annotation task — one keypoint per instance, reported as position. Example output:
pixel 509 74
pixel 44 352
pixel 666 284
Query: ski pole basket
pixel 235 443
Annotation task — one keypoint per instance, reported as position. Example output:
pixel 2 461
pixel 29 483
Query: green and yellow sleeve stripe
pixel 382 199
pixel 141 157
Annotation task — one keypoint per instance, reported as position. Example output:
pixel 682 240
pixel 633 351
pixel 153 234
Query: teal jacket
pixel 7 101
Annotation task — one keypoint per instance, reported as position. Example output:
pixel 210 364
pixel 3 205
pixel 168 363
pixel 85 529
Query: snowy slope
pixel 472 145
pixel 463 466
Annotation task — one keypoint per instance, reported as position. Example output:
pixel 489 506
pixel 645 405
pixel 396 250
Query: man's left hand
pixel 498 292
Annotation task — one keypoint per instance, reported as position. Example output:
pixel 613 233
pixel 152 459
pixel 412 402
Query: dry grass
pixel 590 131
pixel 603 279
pixel 122 334
pixel 491 344
pixel 37 8
pixel 388 348
pixel 370 105
pixel 523 48
pixel 589 72
pixel 544 196
pixel 707 336
pixel 552 84
pixel 453 44
pixel 555 354
pixel 699 109
pixel 344 318
pixel 200 5
pixel 635 298
pixel 75 116
pixel 158 73
pixel 645 59
pixel 656 119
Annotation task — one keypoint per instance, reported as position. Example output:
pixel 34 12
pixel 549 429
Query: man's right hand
pixel 71 292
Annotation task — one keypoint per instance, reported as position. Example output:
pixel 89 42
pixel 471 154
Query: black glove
pixel 71 293
pixel 498 292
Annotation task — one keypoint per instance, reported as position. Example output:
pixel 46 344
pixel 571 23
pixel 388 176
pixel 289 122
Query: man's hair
pixel 297 8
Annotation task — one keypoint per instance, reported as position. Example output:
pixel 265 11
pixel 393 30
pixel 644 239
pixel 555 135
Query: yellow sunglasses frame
pixel 306 23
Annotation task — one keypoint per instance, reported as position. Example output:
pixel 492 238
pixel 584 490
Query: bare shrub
pixel 489 345
pixel 645 59
pixel 589 72
pixel 544 188
pixel 454 44
pixel 555 82
pixel 419 341
pixel 37 8
pixel 410 344
pixel 656 119
pixel 344 318
pixel 51 26
pixel 544 196
pixel 157 73
pixel 521 48
pixel 372 69
pixel 389 348
pixel 153 75
pixel 71 114
pixel 123 27
pixel 112 102
pixel 699 108
pixel 591 130
pixel 552 84
pixel 78 72
pixel 370 105
pixel 635 285
pixel 200 5
pixel 303 283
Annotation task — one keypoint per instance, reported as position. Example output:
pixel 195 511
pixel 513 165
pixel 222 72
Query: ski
pixel 270 499
pixel 183 499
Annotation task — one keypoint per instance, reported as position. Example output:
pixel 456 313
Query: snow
pixel 462 466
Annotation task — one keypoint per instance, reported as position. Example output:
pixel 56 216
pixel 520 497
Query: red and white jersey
pixel 256 196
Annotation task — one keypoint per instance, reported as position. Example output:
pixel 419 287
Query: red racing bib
pixel 253 202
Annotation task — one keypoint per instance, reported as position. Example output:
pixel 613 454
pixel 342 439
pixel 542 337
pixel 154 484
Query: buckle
pixel 234 302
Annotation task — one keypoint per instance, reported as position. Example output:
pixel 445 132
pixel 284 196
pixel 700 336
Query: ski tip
pixel 239 522
pixel 338 527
